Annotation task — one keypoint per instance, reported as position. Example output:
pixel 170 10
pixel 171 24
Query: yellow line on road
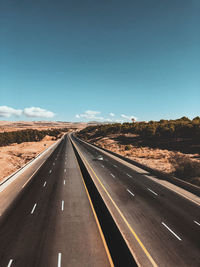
pixel 130 228
pixel 96 219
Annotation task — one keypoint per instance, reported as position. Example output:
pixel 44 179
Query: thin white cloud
pixel 129 118
pixel 118 120
pixel 90 115
pixel 92 112
pixel 111 114
pixel 38 112
pixel 7 112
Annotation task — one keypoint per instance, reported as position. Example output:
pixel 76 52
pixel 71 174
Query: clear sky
pixel 80 60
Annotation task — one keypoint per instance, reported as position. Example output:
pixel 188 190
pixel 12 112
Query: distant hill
pixel 7 126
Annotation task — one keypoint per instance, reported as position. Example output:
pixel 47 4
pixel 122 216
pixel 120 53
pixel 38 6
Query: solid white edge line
pixel 62 206
pixel 197 223
pixel 59 259
pixel 130 192
pixel 44 184
pixel 152 191
pixel 10 262
pixel 33 209
pixel 172 231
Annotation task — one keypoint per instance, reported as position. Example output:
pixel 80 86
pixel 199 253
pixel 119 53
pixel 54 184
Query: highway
pixel 57 219
pixel 52 223
pixel 161 227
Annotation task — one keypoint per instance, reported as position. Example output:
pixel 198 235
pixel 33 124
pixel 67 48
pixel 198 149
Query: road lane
pixel 36 232
pixel 9 192
pixel 147 210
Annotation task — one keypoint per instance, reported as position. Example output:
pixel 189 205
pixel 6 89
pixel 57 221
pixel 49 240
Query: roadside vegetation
pixel 181 137
pixel 186 168
pixel 152 130
pixel 29 135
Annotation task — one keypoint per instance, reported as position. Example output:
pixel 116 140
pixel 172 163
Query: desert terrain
pixel 8 126
pixel 14 156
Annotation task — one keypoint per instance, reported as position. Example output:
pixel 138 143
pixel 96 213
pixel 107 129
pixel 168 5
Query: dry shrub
pixel 128 147
pixel 185 167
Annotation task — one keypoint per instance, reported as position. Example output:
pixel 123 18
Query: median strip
pixel 113 237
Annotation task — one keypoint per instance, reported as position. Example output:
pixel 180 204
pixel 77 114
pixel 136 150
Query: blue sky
pixel 82 60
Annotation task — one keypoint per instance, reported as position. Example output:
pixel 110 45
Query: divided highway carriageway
pixel 84 207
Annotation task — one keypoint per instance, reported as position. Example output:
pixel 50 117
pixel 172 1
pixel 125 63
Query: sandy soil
pixel 158 159
pixel 15 156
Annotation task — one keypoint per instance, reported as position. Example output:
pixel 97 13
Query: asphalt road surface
pixel 166 224
pixel 51 223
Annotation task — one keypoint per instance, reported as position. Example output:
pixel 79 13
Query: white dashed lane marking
pixel 33 209
pixel 130 192
pixel 59 259
pixel 171 231
pixel 44 184
pixel 197 223
pixel 10 262
pixel 152 191
pixel 62 205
